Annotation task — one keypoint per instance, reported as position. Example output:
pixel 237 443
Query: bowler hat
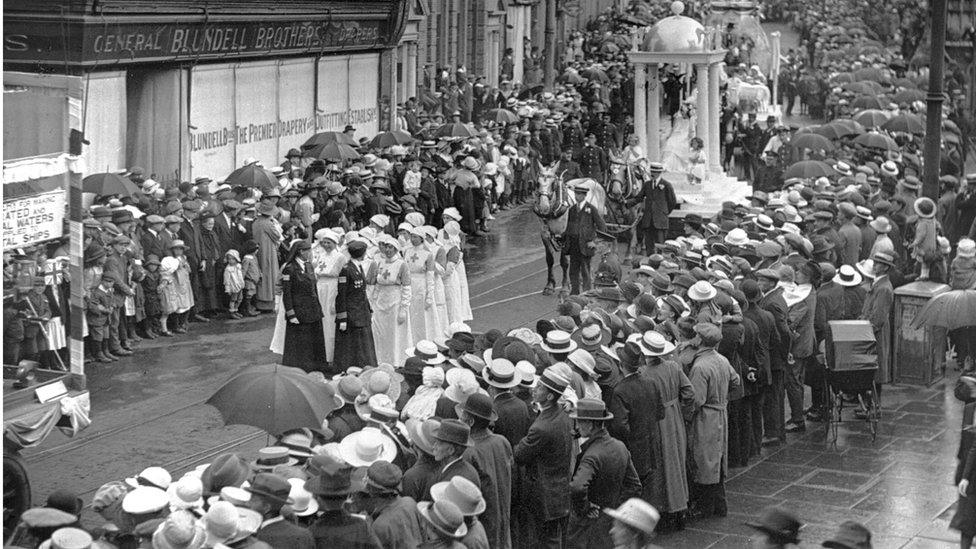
pixel 270 486
pixel 453 431
pixel 225 470
pixel 480 404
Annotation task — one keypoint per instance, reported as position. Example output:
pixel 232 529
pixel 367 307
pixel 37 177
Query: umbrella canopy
pixel 324 138
pixel 389 139
pixel 503 116
pixel 908 95
pixel 871 118
pixel 812 141
pixel 875 140
pixel 830 131
pixel 905 123
pixel 864 87
pixel 333 152
pixel 107 184
pixel 851 126
pixel 454 129
pixel 950 310
pixel 809 169
pixel 871 73
pixel 867 102
pixel 274 398
pixel 905 83
pixel 843 77
pixel 596 75
pixel 252 176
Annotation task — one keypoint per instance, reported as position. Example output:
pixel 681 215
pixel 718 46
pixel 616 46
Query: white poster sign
pixel 33 219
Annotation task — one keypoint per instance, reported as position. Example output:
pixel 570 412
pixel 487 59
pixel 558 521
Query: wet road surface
pixel 148 410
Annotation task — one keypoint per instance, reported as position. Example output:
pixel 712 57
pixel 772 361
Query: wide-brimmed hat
pixel 453 431
pixel 500 373
pixel 737 237
pixel 780 526
pixel 842 168
pixel 156 477
pixel 225 470
pixel 347 388
pixel 367 446
pixel 558 341
pixel 445 517
pixel 591 409
pixel 884 258
pixel 461 492
pixel 271 487
pixel 702 291
pixel 186 493
pixel 426 350
pixel 68 538
pixel 847 276
pixel 303 504
pixel 654 344
pixel 382 379
pixel 226 523
pixel 924 207
pixel 584 361
pixel 593 336
pixel 421 433
pixel 850 535
pixel 966 248
pixel 636 513
pixel 144 500
pixel 334 478
pixel 881 225
pixel 180 530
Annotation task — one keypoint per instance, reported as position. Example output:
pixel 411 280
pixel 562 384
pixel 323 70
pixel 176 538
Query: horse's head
pixel 618 178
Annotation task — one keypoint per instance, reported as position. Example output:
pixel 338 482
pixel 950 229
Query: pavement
pixel 149 410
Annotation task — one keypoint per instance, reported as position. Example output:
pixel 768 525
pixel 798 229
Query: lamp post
pixel 934 99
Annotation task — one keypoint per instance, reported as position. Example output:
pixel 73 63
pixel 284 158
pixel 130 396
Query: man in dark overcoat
pixel 659 201
pixel 581 230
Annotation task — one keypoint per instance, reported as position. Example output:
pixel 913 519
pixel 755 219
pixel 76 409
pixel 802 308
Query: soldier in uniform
pixel 592 159
pixel 573 138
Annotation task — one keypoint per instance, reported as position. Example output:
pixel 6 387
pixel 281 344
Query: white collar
pixel 271 521
pixel 452 462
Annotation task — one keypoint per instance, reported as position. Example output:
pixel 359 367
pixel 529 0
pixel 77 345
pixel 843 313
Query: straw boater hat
pixel 500 373
pixel 847 276
pixel 427 351
pixel 654 344
pixel 558 341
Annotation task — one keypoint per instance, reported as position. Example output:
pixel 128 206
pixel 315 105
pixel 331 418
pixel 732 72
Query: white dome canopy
pixel 675 34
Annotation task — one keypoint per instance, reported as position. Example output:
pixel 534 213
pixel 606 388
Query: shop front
pixel 193 94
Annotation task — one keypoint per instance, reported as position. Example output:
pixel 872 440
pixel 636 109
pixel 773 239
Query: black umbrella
pixel 325 138
pixel 333 152
pixel 252 176
pixel 108 184
pixel 389 139
pixel 454 129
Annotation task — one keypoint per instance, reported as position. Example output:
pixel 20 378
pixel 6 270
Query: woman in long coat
pixel 267 233
pixel 354 344
pixel 304 341
pixel 390 300
pixel 670 481
pixel 208 254
pixel 327 261
pixel 965 518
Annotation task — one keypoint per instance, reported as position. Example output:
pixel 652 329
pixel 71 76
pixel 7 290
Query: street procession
pixel 489 275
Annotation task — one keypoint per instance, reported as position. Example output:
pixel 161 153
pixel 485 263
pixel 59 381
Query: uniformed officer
pixel 592 159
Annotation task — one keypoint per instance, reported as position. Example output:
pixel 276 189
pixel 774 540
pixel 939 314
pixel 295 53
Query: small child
pixel 412 178
pixel 252 277
pixel 98 308
pixel 925 250
pixel 234 282
pixel 151 303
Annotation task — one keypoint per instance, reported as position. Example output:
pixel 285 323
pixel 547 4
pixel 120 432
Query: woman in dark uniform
pixel 354 326
pixel 304 341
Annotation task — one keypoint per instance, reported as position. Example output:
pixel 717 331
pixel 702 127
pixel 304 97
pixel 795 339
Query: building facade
pixel 187 91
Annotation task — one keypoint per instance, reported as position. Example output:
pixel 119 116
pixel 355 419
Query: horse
pixel 625 181
pixel 552 207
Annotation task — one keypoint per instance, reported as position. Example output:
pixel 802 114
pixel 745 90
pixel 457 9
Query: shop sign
pixel 33 219
pixel 39 41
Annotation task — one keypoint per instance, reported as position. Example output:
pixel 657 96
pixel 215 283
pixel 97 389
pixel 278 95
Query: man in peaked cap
pixel 545 452
pixel 395 520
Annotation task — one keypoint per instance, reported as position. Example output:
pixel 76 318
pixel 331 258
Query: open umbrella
pixel 454 129
pixel 503 116
pixel 867 102
pixel 905 123
pixel 852 127
pixel 871 118
pixel 830 131
pixel 389 139
pixel 907 83
pixel 842 77
pixel 875 140
pixel 949 310
pixel 812 141
pixel 333 152
pixel 324 138
pixel 871 73
pixel 809 169
pixel 274 398
pixel 594 74
pixel 908 95
pixel 866 87
pixel 252 176
pixel 107 184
